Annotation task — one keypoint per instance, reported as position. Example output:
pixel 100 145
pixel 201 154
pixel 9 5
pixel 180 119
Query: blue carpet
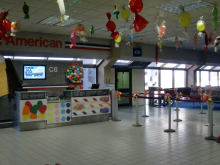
pixel 196 105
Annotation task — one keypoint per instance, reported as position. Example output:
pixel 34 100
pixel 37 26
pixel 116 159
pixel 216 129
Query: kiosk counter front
pixel 33 109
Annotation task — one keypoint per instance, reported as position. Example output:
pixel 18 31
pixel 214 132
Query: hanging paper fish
pixel 195 42
pixel 26 11
pixel 210 38
pixel 177 43
pixel 156 53
pixel 216 42
pixel 206 42
pixel 92 31
pixel 181 44
pixel 116 12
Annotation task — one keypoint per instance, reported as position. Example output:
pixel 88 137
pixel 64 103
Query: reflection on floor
pixel 109 143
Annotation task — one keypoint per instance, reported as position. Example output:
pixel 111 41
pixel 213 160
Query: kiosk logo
pixel 34 42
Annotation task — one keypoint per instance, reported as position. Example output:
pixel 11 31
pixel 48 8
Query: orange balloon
pixel 162 28
pixel 162 33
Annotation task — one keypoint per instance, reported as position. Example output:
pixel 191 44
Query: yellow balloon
pixel 125 14
pixel 184 19
pixel 200 26
pixel 118 39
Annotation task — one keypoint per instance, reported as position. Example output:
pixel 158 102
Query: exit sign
pixel 137 52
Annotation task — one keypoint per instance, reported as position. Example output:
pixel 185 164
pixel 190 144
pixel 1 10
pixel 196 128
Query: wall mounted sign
pixel 137 52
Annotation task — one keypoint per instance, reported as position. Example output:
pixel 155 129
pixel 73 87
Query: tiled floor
pixel 108 143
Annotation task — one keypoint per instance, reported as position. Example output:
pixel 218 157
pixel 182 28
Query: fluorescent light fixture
pixel 29 58
pixel 123 61
pixel 208 67
pixel 182 66
pixel 11 57
pixel 60 59
pixel 170 65
pixel 189 5
pixel 55 20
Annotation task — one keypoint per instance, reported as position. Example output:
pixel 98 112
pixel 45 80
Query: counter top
pixel 30 92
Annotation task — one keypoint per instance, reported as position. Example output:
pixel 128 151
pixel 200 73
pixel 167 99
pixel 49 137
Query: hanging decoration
pixel 73 38
pixel 160 13
pixel 118 95
pixel 200 91
pixel 15 26
pixel 145 92
pixel 208 99
pixel 215 18
pixel 195 42
pixel 184 20
pixel 110 25
pixel 125 13
pixel 134 96
pixel 81 32
pixel 5 25
pixel 92 31
pixel 176 42
pixel 116 12
pixel 181 44
pixel 62 10
pixel 130 36
pixel 139 22
pixel 26 11
pixel 201 27
pixel 210 38
pixel 156 53
pixel 74 1
pixel 160 44
pixel 216 43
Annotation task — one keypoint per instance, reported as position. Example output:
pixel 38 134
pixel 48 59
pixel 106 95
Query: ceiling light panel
pixel 60 59
pixel 190 5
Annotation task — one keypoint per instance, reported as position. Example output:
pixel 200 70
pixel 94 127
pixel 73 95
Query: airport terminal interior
pixel 109 82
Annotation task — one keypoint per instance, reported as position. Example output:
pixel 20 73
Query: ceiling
pixel 93 12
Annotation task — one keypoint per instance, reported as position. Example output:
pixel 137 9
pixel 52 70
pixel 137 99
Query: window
pixel 166 79
pixel 197 78
pixel 204 78
pixel 89 77
pixel 179 78
pixel 151 78
pixel 214 78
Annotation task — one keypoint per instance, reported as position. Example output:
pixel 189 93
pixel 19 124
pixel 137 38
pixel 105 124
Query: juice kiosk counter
pixel 33 109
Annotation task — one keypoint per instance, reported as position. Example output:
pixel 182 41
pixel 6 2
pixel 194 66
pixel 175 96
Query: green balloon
pixel 214 19
pixel 215 12
pixel 215 25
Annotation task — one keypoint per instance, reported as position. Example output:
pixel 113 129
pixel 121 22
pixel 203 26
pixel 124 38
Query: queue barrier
pixel 210 114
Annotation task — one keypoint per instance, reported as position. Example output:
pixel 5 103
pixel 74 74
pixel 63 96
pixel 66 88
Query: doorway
pixel 124 85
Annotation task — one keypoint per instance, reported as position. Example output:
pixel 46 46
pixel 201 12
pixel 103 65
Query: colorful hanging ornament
pixel 184 20
pixel 139 22
pixel 176 43
pixel 5 25
pixel 156 53
pixel 130 36
pixel 116 12
pixel 125 13
pixel 26 11
pixel 210 38
pixel 215 18
pixel 201 24
pixel 160 44
pixel 92 31
pixel 73 38
pixel 62 9
pixel 162 28
pixel 15 26
pixel 216 43
pixel 195 42
pixel 81 32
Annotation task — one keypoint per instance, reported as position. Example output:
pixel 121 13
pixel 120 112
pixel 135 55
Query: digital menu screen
pixel 34 72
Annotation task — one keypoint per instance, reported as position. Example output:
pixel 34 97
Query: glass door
pixel 123 84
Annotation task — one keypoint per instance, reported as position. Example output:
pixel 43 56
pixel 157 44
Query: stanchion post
pixel 169 122
pixel 210 126
pixel 115 108
pixel 145 115
pixel 202 106
pixel 137 114
pixel 177 109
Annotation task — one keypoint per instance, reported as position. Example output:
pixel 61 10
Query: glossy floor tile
pixel 117 143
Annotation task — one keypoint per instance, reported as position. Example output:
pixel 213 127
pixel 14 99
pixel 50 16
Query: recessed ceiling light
pixel 189 5
pixel 55 20
pixel 60 59
pixel 29 58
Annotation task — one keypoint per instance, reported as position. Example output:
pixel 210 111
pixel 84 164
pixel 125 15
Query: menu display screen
pixel 32 72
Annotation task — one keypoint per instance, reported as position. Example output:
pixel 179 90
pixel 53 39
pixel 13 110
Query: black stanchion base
pixel 169 130
pixel 137 125
pixel 218 140
pixel 211 138
pixel 201 113
pixel 145 116
pixel 177 120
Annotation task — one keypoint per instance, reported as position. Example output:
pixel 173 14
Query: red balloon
pixel 135 6
pixel 162 33
pixel 139 22
pixel 115 35
pixel 111 26
pixel 7 24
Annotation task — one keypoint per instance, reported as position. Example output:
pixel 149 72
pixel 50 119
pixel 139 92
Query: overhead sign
pixel 137 52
